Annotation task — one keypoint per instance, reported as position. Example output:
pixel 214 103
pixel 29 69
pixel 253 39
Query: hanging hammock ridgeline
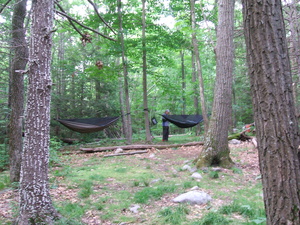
pixel 184 121
pixel 88 125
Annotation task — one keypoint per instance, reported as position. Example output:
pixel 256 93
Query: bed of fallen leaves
pixel 164 160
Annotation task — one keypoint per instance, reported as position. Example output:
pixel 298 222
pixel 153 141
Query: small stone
pixel 152 155
pixel 186 167
pixel 134 208
pixel 197 175
pixel 193 170
pixel 234 142
pixel 194 188
pixel 216 169
pixel 119 150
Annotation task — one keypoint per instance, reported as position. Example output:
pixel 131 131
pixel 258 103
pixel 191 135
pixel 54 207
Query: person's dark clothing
pixel 165 125
pixel 165 133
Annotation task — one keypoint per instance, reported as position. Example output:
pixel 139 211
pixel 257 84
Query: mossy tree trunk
pixel 216 150
pixel 275 119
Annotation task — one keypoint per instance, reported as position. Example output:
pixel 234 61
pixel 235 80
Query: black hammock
pixel 184 121
pixel 89 125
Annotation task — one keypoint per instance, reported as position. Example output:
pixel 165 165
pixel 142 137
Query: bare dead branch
pixel 4 6
pixel 70 21
pixel 96 10
pixel 82 25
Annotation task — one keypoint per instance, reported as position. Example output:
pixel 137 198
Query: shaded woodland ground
pixel 90 189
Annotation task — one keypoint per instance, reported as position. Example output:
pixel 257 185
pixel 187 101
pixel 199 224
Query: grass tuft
pixel 249 211
pixel 86 189
pixel 148 193
pixel 212 218
pixel 175 215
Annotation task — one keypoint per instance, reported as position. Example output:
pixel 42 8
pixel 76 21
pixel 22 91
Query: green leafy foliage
pixel 4 181
pixel 3 157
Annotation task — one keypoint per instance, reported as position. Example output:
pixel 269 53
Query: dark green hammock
pixel 184 121
pixel 88 125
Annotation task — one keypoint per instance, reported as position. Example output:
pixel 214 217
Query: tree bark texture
pixel 35 202
pixel 20 58
pixel 216 150
pixel 293 25
pixel 276 125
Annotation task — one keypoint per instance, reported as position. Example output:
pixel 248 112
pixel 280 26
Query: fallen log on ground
pixel 127 153
pixel 132 147
pixel 242 136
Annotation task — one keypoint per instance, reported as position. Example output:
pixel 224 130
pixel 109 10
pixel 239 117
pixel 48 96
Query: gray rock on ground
pixel 193 197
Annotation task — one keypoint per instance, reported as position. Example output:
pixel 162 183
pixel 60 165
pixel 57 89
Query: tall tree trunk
pixel 216 150
pixel 196 101
pixel 123 106
pixel 194 80
pixel 19 61
pixel 198 65
pixel 183 84
pixel 127 116
pixel 294 29
pixel 59 81
pixel 276 124
pixel 35 201
pixel 145 92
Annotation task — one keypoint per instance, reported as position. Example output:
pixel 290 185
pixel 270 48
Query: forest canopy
pixel 83 89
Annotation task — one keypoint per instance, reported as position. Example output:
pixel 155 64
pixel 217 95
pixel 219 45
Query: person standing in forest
pixel 165 125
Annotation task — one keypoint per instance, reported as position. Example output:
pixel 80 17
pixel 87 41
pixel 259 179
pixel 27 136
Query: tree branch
pixel 80 24
pixel 96 10
pixel 3 7
pixel 70 21
pixel 63 13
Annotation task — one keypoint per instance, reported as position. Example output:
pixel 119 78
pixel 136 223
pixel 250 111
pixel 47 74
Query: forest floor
pixel 90 189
